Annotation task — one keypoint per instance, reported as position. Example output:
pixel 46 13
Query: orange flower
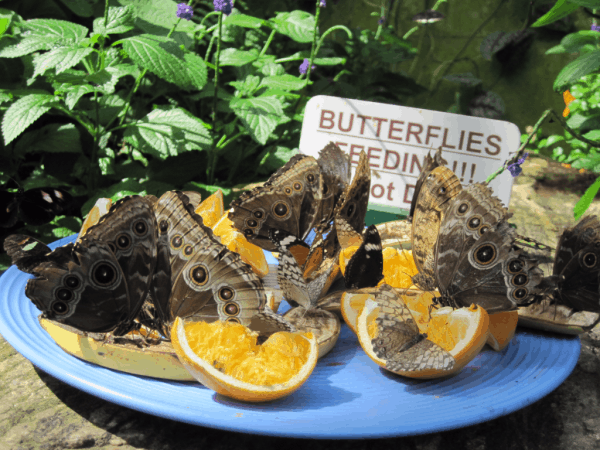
pixel 568 98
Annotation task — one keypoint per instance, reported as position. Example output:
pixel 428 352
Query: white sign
pixel 397 138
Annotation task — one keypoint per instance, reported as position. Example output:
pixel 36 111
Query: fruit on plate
pixel 324 325
pixel 100 208
pixel 226 358
pixel 557 318
pixel 237 242
pixel 211 209
pixel 460 332
pixel 125 355
pixel 398 265
pixel 503 326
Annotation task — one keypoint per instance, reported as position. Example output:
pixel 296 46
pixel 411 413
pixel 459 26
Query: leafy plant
pixel 144 98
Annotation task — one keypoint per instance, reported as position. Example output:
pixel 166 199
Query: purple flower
pixel 322 4
pixel 595 27
pixel 515 169
pixel 304 66
pixel 381 20
pixel 184 11
pixel 225 6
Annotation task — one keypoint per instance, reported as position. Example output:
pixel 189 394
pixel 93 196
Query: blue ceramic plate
pixel 347 396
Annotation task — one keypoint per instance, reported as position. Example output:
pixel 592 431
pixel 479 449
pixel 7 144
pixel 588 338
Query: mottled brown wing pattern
pixel 399 341
pixel 289 200
pixel 437 190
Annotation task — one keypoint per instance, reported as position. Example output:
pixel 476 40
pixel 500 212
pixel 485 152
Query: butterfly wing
pixel 399 341
pixel 83 286
pixel 336 173
pixel 289 200
pixel 436 191
pixel 365 268
pixel 476 260
pixel 26 252
pixel 129 229
pixel 577 264
pixel 428 165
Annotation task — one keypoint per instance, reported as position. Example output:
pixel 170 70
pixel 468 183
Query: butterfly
pixel 435 188
pixel 399 341
pixel 576 269
pixel 473 257
pixel 34 206
pixel 198 278
pixel 300 289
pixel 365 267
pixel 99 284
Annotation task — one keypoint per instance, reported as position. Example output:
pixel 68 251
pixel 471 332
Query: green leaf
pixel 206 190
pixel 60 59
pixel 242 20
pixel 248 86
pixel 556 50
pixel 23 113
pixel 561 8
pixel 274 157
pixel 75 92
pixel 286 82
pixel 4 22
pixel 119 20
pixel 574 41
pixel 260 115
pixel 573 71
pixel 164 57
pixel 106 79
pixel 334 61
pixel 53 138
pixel 298 25
pixel 168 132
pixel 586 200
pixel 593 135
pixel 42 34
pixel 587 3
pixel 235 57
pixel 554 139
pixel 81 8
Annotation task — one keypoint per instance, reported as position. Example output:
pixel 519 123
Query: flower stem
pixel 213 153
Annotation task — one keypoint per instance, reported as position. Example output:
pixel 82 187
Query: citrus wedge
pixel 398 266
pixel 211 209
pixel 324 325
pixel 226 358
pixel 461 332
pixel 100 208
pixel 503 326
pixel 237 242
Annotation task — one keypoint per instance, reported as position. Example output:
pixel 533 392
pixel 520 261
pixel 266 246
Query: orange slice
pixel 352 304
pixel 100 208
pixel 462 332
pixel 237 242
pixel 398 266
pixel 502 329
pixel 225 357
pixel 211 209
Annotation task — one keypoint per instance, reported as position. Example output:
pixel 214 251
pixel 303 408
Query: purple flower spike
pixel 304 66
pixel 595 27
pixel 515 169
pixel 381 20
pixel 225 6
pixel 322 4
pixel 184 11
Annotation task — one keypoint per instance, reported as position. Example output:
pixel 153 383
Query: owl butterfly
pixel 198 278
pixel 296 198
pixel 100 283
pixel 577 266
pixel 299 287
pixel 475 258
pixel 399 341
pixel 365 267
pixel 435 188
